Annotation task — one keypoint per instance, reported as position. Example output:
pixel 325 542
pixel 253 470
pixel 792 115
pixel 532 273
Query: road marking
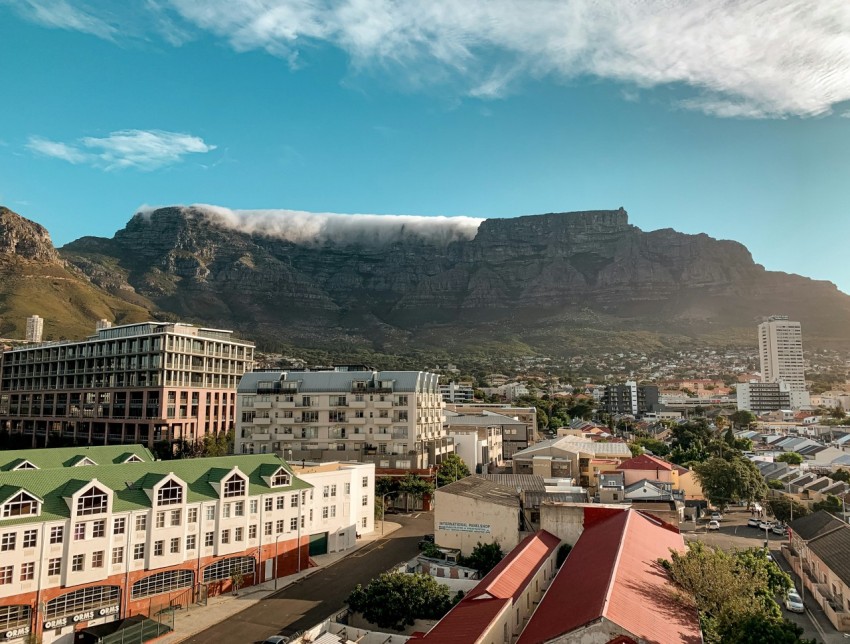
pixel 816 624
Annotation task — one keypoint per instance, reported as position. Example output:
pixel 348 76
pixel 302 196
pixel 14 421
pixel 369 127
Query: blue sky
pixel 728 118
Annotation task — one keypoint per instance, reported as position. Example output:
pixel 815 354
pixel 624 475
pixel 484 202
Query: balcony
pixel 259 436
pixel 385 404
pixel 357 404
pixel 356 421
pixel 288 404
pixel 262 404
pixel 262 421
pixel 383 421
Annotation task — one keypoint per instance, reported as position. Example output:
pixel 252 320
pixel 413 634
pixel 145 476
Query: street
pixel 322 594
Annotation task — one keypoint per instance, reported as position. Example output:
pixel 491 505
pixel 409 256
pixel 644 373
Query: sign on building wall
pixel 452 526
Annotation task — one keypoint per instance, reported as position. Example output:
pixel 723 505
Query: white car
pixel 716 516
pixel 714 525
pixel 794 603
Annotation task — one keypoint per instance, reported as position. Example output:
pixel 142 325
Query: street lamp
pixel 276 560
pixel 384 510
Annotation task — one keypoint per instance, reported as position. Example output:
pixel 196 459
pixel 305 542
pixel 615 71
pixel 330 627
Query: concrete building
pixel 571 457
pixel 609 588
pixel 781 356
pixel 477 439
pixel 763 397
pixel 497 609
pixel 519 424
pixel 457 392
pixel 630 399
pixel 393 419
pixel 136 383
pixel 35 328
pixel 94 535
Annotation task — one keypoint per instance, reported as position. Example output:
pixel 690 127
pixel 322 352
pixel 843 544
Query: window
pixel 293 502
pixel 365 501
pixel 333 511
pixel 210 513
pixel 57 534
pixel 363 522
pixel 138 551
pixel 325 512
pixel 54 567
pixel 6 574
pixel 239 509
pixel 20 505
pixel 170 493
pixel 8 541
pixel 158 548
pixel 117 556
pixel 267 529
pixel 225 536
pixel 281 478
pixel 78 601
pixel 98 528
pixel 28 571
pixel 78 563
pixel 192 515
pixel 281 502
pixel 160 519
pixel 333 490
pixel 225 568
pixel 119 525
pixel 14 617
pixel 293 523
pixel 365 481
pixel 252 532
pixel 326 491
pixel 234 486
pixel 268 503
pixel 255 504
pixel 176 516
pixel 162 582
pixel 279 526
pixel 191 542
pixel 238 533
pixel 225 510
pixel 79 531
pixel 97 559
pixel 175 545
pixel 347 488
pixel 209 539
pixel 92 501
pixel 141 523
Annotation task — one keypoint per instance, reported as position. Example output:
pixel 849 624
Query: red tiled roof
pixel 502 586
pixel 612 573
pixel 645 462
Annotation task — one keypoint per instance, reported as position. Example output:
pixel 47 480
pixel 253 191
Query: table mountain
pixel 34 279
pixel 553 282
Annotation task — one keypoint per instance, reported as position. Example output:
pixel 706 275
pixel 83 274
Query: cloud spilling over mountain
pixel 310 228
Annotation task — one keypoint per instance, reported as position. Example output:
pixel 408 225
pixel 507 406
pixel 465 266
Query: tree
pixel 414 486
pixel 395 599
pixel 742 419
pixel 840 475
pixel 758 629
pixel 657 447
pixel 785 509
pixel 775 484
pixel 451 469
pixel 725 481
pixel 690 441
pixel 830 504
pixel 635 449
pixel 792 458
pixel 484 557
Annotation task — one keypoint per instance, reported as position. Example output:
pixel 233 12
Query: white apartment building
pixel 393 419
pixel 781 356
pixel 92 535
pixel 35 328
pixel 457 392
pixel 477 439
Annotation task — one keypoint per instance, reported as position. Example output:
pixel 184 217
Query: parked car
pixel 765 525
pixel 716 516
pixel 714 525
pixel 753 522
pixel 276 639
pixel 779 529
pixel 793 602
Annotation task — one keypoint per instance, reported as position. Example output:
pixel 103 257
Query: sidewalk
pixel 196 618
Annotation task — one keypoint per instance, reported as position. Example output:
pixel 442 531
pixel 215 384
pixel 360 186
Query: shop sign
pixel 17 632
pixel 60 622
pixel 452 526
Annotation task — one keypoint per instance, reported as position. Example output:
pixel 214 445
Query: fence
pixel 137 633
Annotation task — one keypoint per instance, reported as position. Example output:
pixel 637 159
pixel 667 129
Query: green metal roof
pixel 129 481
pixel 54 457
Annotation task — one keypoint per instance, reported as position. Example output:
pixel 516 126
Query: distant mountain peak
pixel 20 237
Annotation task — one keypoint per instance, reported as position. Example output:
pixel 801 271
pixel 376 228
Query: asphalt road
pixel 322 594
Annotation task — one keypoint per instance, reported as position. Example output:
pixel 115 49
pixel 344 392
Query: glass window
pixel 54 566
pixel 170 493
pixel 20 505
pixel 78 563
pixel 280 478
pixel 175 545
pixel 293 502
pixel 267 529
pixel 6 574
pixel 28 571
pixel 57 534
pixel 192 515
pixel 158 548
pixel 97 559
pixel 79 532
pixel 160 519
pixel 225 510
pixel 365 501
pixel 239 509
pixel 117 556
pixel 98 528
pixel 176 516
pixel 279 526
pixel 281 502
pixel 252 532
pixel 141 523
pixel 191 542
pixel 92 501
pixel 255 504
pixel 225 536
pixel 268 503
pixel 162 582
pixel 138 551
pixel 8 541
pixel 119 525
pixel 80 601
pixel 237 534
pixel 211 513
pixel 14 617
pixel 209 539
pixel 225 568
pixel 234 486
pixel 293 523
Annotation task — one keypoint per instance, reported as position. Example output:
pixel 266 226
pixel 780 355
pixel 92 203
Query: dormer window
pixel 281 478
pixel 21 504
pixel 85 460
pixel 134 458
pixel 25 465
pixel 234 486
pixel 170 493
pixel 92 501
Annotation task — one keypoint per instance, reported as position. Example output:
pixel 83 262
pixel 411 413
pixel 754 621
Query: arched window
pixel 80 601
pixel 226 568
pixel 234 486
pixel 162 582
pixel 92 501
pixel 170 493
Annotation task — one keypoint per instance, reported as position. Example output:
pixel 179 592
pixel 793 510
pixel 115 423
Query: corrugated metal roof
pixel 57 457
pixel 612 572
pixel 813 525
pixel 646 462
pixel 476 487
pixel 341 381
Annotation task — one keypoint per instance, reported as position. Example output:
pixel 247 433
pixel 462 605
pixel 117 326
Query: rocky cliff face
pixel 533 278
pixel 24 239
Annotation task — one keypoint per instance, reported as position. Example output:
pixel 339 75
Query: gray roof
pixel 341 381
pixel 832 548
pixel 528 482
pixel 570 444
pixel 476 487
pixel 814 525
pixel 484 419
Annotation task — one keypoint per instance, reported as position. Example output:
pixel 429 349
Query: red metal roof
pixel 502 586
pixel 645 462
pixel 612 572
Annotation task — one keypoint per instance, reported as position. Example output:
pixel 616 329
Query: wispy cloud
pixel 141 149
pixel 736 58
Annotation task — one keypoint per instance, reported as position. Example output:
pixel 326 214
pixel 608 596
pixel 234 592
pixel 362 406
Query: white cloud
pixel 736 58
pixel 63 14
pixel 141 149
pixel 301 227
